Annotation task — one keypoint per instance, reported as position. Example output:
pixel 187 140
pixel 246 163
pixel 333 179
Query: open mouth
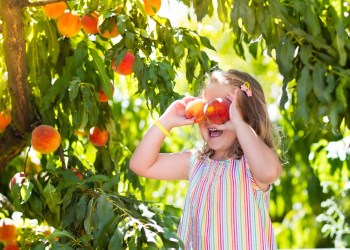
pixel 213 132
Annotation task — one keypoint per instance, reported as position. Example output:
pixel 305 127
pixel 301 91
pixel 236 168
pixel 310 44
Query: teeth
pixel 212 129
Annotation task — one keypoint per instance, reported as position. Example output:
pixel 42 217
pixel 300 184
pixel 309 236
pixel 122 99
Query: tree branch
pixel 34 4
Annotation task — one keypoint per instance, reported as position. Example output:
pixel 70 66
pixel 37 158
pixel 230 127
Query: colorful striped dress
pixel 224 208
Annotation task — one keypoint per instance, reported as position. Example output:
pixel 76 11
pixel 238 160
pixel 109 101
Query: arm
pixel 263 161
pixel 147 161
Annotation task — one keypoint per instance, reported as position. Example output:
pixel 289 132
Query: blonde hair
pixel 253 109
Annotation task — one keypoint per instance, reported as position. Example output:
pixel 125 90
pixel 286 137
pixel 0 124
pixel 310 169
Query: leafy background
pixel 298 51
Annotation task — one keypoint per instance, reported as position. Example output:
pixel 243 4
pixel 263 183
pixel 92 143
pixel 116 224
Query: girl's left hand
pixel 235 113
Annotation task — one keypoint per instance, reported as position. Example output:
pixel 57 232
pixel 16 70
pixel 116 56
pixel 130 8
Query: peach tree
pixel 55 75
pixel 125 61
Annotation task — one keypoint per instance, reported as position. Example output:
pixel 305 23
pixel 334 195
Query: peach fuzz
pixel 195 108
pixel 217 111
pixel 45 139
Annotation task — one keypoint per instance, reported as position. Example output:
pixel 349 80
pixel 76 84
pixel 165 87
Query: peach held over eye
pixel 216 111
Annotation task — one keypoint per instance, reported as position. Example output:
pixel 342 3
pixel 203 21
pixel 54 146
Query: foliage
pixel 90 214
pixel 309 42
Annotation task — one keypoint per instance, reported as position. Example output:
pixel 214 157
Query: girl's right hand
pixel 174 115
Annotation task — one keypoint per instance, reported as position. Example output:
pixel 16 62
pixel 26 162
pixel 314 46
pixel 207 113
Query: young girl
pixel 227 202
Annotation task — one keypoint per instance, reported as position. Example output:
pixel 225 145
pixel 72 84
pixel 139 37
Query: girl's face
pixel 218 140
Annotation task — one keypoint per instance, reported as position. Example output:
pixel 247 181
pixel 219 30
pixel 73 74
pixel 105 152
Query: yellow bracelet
pixel 160 126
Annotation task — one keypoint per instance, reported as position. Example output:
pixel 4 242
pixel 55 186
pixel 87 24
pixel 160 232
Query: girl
pixel 227 202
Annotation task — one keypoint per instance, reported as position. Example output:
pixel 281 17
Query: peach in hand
pixel 195 108
pixel 217 111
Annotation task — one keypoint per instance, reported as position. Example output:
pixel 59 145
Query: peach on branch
pixel 89 23
pixel 217 111
pixel 102 96
pixel 108 29
pixel 152 6
pixel 69 24
pixel 12 246
pixel 54 10
pixel 8 230
pixel 18 179
pixel 5 120
pixel 45 139
pixel 126 64
pixel 98 137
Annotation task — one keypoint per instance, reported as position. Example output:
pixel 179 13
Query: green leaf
pixel 202 8
pixel 303 89
pixel 318 76
pixel 52 41
pixel 67 198
pixel 26 190
pixel 310 17
pixel 285 56
pixel 248 16
pixel 81 209
pixel 117 240
pixel 73 89
pixel 206 42
pixel 129 40
pixel 61 234
pixel 103 217
pixel 100 66
pixel 53 199
pixel 88 217
pixel 222 11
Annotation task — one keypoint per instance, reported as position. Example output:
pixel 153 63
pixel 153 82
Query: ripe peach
pixel 89 23
pixel 108 29
pixel 45 139
pixel 125 66
pixel 152 6
pixel 54 10
pixel 8 230
pixel 12 246
pixel 217 111
pixel 98 137
pixel 103 96
pixel 5 120
pixel 18 178
pixel 69 24
pixel 195 108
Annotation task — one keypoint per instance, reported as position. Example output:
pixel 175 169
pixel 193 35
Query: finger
pixel 189 121
pixel 180 103
pixel 230 96
pixel 188 99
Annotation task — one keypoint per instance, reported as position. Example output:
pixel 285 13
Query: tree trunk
pixel 13 140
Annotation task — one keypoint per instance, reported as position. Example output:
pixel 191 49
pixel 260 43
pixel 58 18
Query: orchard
pixel 82 81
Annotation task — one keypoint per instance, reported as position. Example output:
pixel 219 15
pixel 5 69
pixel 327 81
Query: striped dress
pixel 224 208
